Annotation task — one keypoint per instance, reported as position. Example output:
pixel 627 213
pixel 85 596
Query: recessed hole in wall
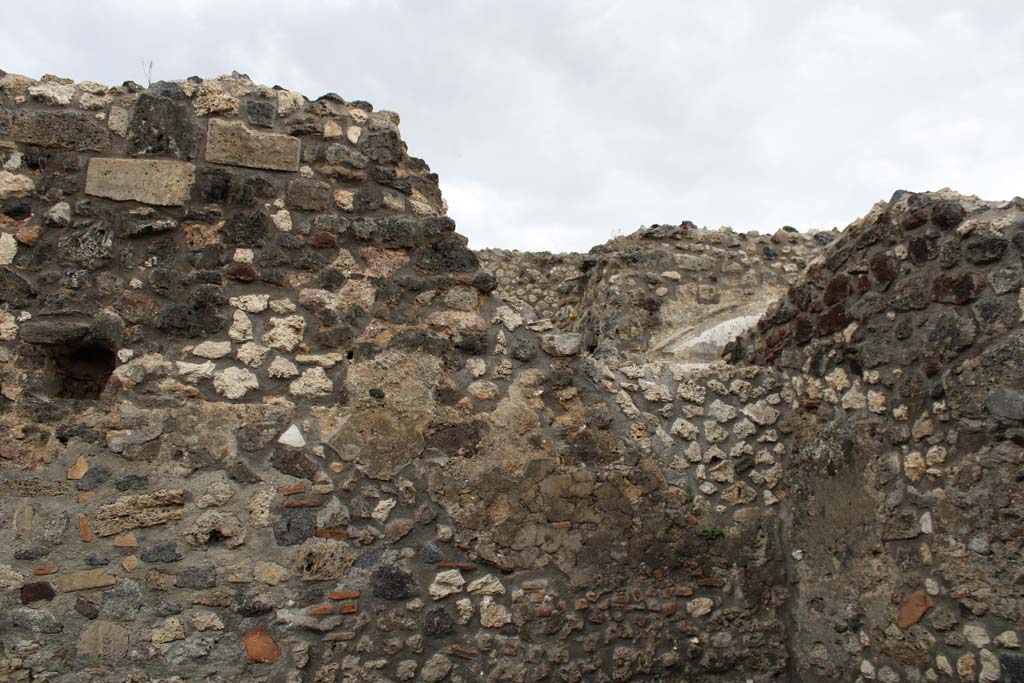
pixel 83 371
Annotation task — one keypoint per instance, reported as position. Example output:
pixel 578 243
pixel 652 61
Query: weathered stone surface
pixel 103 640
pixel 144 510
pixel 233 143
pixel 60 130
pixel 14 185
pixel 85 580
pixel 150 181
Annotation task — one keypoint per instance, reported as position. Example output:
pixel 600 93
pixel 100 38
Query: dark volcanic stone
pixel 948 214
pixel 448 254
pixel 260 113
pixel 438 622
pixel 93 479
pixel 131 481
pixel 31 553
pixel 391 583
pixel 160 127
pixel 295 526
pixel 14 289
pixel 247 229
pixel 294 463
pixel 161 553
pixel 34 592
pixel 94 560
pixel 958 288
pixel 1013 667
pixel 183 320
pixel 203 576
pixel 985 250
pixel 86 608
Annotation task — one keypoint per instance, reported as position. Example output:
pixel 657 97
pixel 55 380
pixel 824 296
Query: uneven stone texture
pixel 158 182
pixel 233 143
pixel 294 429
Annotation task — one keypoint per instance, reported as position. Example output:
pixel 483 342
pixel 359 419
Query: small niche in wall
pixel 82 370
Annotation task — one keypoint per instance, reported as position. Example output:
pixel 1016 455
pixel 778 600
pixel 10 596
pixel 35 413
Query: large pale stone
pixel 85 580
pixel 151 181
pixel 14 185
pixel 132 512
pixel 103 639
pixel 231 142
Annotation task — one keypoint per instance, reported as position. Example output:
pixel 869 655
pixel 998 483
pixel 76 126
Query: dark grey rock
pixel 295 526
pixel 123 601
pixel 260 113
pixel 203 576
pixel 161 553
pixel 391 583
pixel 160 127
pixel 35 620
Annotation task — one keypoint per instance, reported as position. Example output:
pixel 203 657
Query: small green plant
pixel 710 533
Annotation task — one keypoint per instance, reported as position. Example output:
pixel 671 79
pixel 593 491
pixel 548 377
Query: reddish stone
pixel 260 647
pixel 348 608
pixel 884 269
pixel 323 240
pixel 832 320
pixel 301 503
pixel 543 611
pixel 684 592
pixel 84 532
pixel 711 583
pixel 958 288
pixel 29 235
pixel 335 534
pixel 33 592
pixel 45 569
pixel 344 595
pixel 582 604
pixel 292 488
pixel 913 608
pixel 241 271
pixel 836 290
pixel 803 329
pixel 321 610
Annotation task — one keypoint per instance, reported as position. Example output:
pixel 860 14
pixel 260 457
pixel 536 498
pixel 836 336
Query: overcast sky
pixel 554 124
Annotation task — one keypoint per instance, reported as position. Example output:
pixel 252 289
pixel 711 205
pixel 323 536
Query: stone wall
pixel 265 417
pixel 675 292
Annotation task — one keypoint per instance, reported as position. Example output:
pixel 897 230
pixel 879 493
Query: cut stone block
pixel 150 181
pixel 231 142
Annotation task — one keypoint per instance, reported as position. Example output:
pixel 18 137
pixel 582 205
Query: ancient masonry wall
pixel 263 419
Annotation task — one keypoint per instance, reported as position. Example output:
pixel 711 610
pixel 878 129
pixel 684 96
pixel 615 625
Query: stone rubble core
pixel 265 417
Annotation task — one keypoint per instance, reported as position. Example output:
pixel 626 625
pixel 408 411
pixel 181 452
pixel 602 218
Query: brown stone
pixel 36 591
pixel 85 580
pixel 231 142
pixel 60 130
pixel 45 569
pixel 913 608
pixel 84 532
pixel 161 182
pixel 260 647
pixel 78 470
pixel 29 235
pixel 307 194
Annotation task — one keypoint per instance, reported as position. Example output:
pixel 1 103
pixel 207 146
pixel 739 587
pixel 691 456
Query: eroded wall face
pixel 262 419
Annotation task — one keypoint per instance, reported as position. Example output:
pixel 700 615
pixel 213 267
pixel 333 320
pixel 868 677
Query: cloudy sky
pixel 555 124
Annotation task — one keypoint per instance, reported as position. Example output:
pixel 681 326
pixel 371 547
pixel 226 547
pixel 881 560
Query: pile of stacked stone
pixel 262 418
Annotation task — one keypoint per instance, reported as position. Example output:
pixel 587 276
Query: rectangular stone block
pixel 150 181
pixel 85 580
pixel 60 130
pixel 231 142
